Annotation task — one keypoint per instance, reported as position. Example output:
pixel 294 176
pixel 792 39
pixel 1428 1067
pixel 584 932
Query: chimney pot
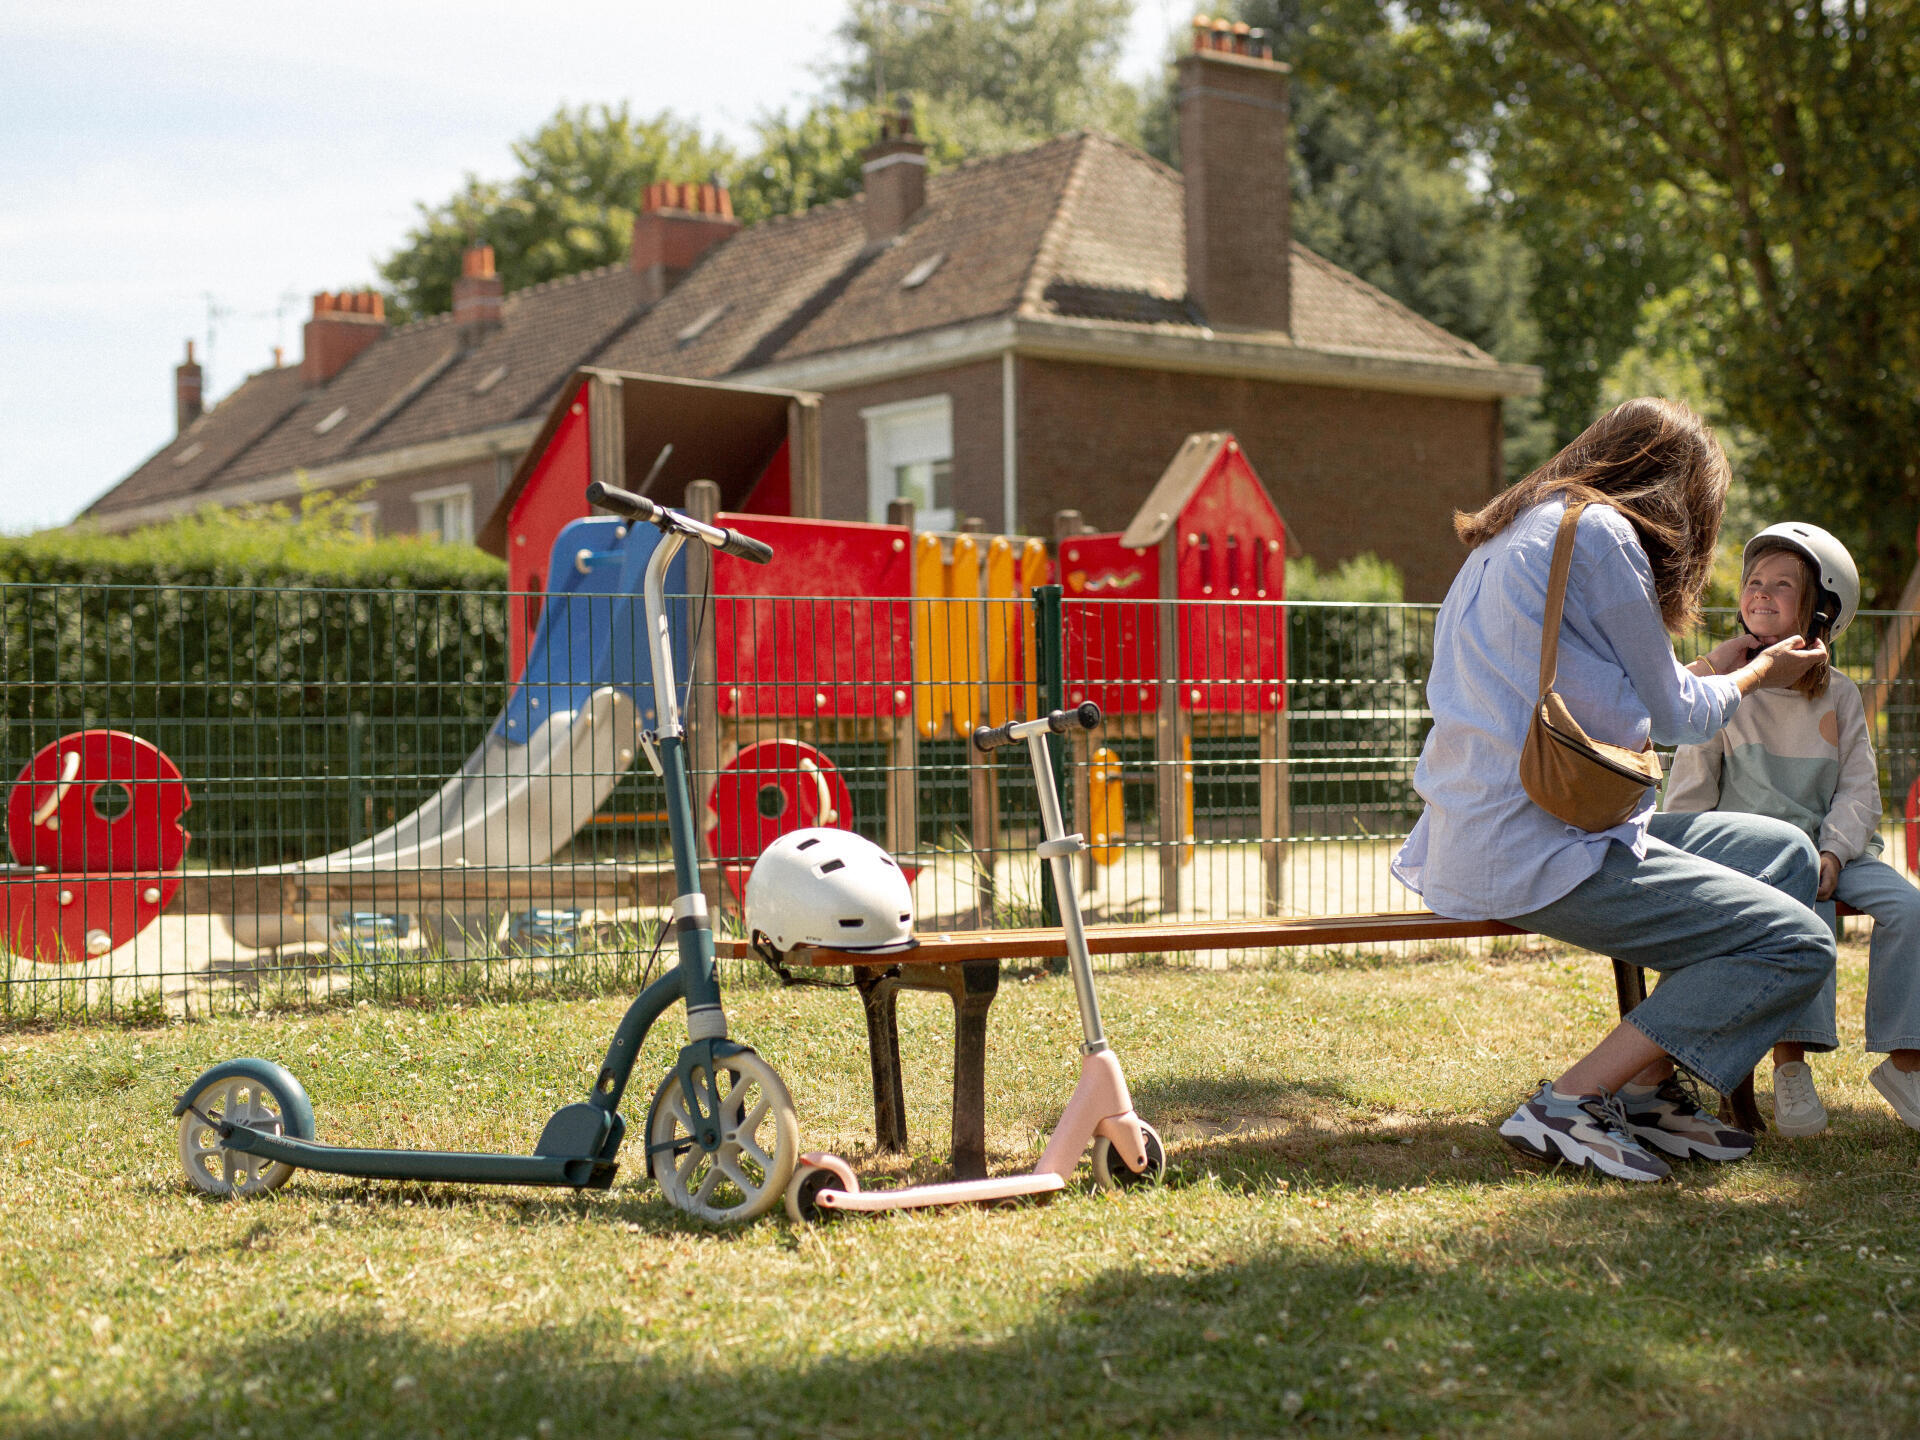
pixel 1234 159
pixel 342 326
pixel 895 176
pixel 186 391
pixel 479 295
pixel 677 224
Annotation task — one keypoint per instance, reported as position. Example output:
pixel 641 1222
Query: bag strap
pixel 1557 597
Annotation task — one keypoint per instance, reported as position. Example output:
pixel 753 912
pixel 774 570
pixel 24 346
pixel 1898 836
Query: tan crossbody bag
pixel 1564 771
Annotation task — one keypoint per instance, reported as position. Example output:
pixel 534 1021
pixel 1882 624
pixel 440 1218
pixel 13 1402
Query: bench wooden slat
pixel 1046 943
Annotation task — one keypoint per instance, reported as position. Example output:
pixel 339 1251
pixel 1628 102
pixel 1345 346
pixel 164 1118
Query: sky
pixel 174 170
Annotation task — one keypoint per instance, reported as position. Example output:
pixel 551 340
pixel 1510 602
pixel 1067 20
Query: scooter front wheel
pixel 257 1094
pixel 747 1174
pixel 1113 1173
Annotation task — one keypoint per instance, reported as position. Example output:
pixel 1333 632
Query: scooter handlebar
pixel 624 503
pixel 993 737
pixel 638 507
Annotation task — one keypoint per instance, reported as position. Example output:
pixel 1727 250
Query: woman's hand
pixel 1730 654
pixel 1779 665
pixel 1829 875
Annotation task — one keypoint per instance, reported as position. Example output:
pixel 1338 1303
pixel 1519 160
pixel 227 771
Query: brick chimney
pixel 1233 153
pixel 186 391
pixel 677 224
pixel 478 294
pixel 895 175
pixel 342 326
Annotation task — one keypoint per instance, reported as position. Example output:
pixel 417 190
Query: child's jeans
pixel 1893 962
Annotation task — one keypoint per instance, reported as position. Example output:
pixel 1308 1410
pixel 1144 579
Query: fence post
pixel 1169 755
pixel 703 709
pixel 1066 525
pixel 903 736
pixel 1050 642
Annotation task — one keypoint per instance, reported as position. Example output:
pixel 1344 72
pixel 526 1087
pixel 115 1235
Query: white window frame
pixel 366 519
pixel 436 500
pixel 907 432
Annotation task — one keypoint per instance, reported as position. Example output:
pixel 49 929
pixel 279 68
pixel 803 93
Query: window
pixel 366 519
pixel 446 514
pixel 910 457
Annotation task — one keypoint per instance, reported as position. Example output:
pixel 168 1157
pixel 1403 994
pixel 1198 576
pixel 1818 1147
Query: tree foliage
pixel 1373 193
pixel 993 75
pixel 569 207
pixel 1763 156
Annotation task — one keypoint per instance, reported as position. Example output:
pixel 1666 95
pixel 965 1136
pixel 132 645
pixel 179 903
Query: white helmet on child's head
pixel 1833 568
pixel 830 888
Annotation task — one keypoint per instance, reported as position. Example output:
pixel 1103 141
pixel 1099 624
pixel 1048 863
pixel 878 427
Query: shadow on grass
pixel 1556 1324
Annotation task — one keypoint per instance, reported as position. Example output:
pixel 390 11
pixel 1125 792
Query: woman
pixel 1717 903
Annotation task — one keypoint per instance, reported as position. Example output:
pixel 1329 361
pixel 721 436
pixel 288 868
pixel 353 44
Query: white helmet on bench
pixel 1833 569
pixel 829 888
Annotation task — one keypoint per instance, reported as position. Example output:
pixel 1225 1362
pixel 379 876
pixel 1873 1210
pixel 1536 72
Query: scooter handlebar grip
pixel 1082 717
pixel 623 502
pixel 1088 715
pixel 992 737
pixel 745 547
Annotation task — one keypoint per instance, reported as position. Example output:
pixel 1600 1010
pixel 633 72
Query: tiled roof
pixel 1080 227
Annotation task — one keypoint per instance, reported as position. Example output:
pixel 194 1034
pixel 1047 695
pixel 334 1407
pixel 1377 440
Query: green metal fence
pixel 309 722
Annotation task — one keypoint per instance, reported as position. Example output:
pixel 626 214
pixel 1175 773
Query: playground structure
pixel 870 635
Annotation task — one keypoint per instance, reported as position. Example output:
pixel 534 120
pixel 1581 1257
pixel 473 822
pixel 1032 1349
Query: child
pixel 1803 755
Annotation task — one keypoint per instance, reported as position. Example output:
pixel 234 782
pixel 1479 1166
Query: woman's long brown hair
pixel 1658 464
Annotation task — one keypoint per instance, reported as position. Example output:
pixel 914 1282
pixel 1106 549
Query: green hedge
pixel 308 684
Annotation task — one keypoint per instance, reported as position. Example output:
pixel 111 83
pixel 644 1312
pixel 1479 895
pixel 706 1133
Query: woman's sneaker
pixel 1665 1117
pixel 1584 1131
pixel 1796 1104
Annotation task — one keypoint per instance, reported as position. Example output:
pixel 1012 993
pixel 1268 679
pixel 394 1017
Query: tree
pixel 1766 156
pixel 1373 194
pixel 570 207
pixel 993 75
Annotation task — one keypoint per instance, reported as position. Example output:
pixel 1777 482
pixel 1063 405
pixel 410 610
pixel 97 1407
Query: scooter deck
pixel 954 1192
pixel 447 1166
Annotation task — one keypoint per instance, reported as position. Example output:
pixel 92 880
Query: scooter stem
pixel 1079 963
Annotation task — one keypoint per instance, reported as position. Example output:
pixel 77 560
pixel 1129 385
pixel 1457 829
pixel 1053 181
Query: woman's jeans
pixel 1893 962
pixel 1720 907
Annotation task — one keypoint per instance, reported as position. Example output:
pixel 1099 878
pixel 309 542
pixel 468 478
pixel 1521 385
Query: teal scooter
pixel 721 1135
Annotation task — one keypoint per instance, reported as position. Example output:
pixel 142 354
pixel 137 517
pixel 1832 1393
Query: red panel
pixel 1113 653
pixel 57 817
pixel 1233 548
pixel 554 496
pixel 823 630
pixel 66 919
pixel 772 493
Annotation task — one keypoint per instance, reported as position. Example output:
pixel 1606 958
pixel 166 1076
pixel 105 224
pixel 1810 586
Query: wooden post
pixel 803 457
pixel 1276 809
pixel 1066 524
pixel 1168 753
pixel 703 697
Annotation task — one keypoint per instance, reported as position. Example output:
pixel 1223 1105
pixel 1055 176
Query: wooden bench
pixel 965 966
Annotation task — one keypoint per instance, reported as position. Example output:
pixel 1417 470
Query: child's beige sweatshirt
pixel 1808 762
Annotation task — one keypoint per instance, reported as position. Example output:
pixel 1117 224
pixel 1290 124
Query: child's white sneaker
pixel 1901 1089
pixel 1796 1104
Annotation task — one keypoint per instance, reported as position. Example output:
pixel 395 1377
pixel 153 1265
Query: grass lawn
pixel 1344 1245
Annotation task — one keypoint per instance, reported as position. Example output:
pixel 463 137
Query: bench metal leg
pixel 971 985
pixel 1738 1107
pixel 879 997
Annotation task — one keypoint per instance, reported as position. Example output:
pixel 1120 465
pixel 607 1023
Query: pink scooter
pixel 1126 1150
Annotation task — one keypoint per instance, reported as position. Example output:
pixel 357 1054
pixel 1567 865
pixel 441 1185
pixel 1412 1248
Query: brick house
pixel 1019 335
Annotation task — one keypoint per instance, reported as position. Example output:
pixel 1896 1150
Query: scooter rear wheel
pixel 1113 1173
pixel 759 1141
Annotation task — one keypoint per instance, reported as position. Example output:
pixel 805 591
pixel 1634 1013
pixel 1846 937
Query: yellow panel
pixel 1106 800
pixel 1000 622
pixel 963 626
pixel 1034 570
pixel 930 703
